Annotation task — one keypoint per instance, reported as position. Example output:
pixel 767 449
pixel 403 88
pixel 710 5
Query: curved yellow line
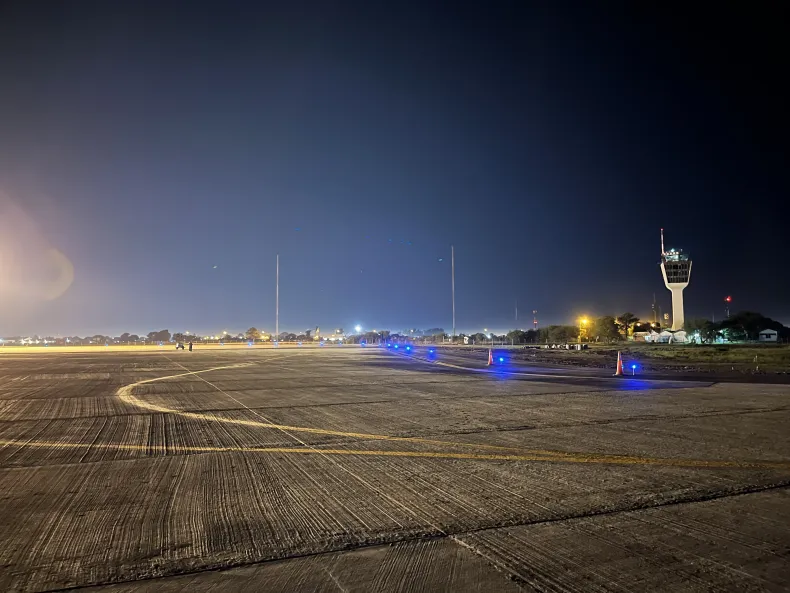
pixel 179 449
pixel 124 393
pixel 525 454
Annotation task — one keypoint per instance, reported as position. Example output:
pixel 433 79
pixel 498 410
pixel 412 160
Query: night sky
pixel 161 154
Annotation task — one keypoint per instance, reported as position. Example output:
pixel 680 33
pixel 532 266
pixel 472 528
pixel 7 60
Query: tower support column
pixel 678 320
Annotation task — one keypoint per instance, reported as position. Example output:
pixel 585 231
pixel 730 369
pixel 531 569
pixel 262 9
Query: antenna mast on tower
pixel 654 308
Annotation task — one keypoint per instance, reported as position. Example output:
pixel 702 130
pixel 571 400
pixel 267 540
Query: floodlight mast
pixel 277 300
pixel 452 280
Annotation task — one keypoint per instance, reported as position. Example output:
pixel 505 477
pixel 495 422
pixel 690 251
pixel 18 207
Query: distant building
pixel 768 335
pixel 676 270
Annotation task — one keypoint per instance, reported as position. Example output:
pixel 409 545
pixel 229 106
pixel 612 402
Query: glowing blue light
pixel 633 366
pixel 389 345
pixel 408 347
pixel 431 351
pixel 396 346
pixel 501 359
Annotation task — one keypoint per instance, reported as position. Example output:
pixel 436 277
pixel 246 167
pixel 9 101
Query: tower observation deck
pixel 676 270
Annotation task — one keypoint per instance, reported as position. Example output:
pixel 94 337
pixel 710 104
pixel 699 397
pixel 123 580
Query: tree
pixel 709 332
pixel 562 333
pixel 160 336
pixel 604 329
pixel 626 322
pixel 253 334
pixel 748 325
pixel 705 329
pixel 531 336
pixel 517 336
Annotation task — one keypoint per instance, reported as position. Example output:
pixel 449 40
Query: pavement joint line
pixel 453 535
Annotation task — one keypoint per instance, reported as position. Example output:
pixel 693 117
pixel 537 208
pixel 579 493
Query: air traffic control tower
pixel 676 269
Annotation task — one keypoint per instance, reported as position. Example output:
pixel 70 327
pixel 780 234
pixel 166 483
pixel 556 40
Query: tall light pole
pixel 452 278
pixel 277 301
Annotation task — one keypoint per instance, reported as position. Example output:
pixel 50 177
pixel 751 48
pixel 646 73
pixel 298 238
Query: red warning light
pixel 728 299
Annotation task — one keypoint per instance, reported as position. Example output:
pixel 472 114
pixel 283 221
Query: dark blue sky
pixel 150 143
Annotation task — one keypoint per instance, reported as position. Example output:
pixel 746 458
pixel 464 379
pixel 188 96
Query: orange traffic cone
pixel 490 358
pixel 619 370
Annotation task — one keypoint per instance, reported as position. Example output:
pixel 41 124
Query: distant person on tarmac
pixel 190 346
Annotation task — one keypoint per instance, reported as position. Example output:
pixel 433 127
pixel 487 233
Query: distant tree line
pixel 741 327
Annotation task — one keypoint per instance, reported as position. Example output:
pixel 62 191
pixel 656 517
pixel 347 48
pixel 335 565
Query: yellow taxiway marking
pixel 580 458
pixel 506 453
pixel 524 454
pixel 124 393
